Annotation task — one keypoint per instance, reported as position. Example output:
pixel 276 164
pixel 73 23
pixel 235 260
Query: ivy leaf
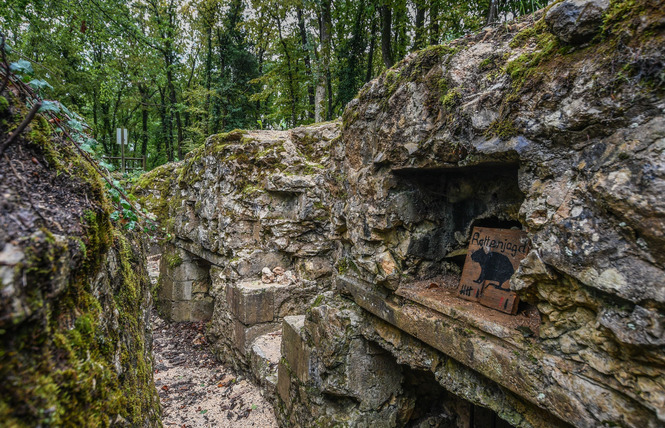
pixel 21 66
pixel 125 204
pixel 50 106
pixel 86 147
pixel 39 84
pixel 107 165
pixel 75 124
pixel 115 196
pixel 115 215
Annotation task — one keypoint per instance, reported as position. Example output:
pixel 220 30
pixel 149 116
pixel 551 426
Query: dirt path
pixel 197 391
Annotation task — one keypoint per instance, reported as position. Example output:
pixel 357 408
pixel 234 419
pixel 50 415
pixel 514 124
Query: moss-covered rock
pixel 75 342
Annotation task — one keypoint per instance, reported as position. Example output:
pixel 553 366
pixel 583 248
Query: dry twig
pixel 21 127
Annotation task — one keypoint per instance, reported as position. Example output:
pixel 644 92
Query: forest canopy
pixel 175 71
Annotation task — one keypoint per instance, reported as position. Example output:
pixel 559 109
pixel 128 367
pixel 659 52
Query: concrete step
pixel 264 356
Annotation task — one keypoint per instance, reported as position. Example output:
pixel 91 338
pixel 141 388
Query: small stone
pixel 278 270
pixel 576 21
pixel 267 276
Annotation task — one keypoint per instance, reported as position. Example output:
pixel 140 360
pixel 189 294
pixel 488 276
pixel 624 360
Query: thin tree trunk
pixel 492 12
pixel 308 65
pixel 290 72
pixel 143 90
pixel 434 22
pixel 208 78
pixel 166 125
pixel 420 38
pixel 386 24
pixel 323 81
pixel 114 120
pixel 370 57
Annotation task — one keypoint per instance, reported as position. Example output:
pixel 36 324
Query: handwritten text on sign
pixel 493 257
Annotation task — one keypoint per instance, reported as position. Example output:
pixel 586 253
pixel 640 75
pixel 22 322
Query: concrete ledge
pixel 244 335
pixel 562 387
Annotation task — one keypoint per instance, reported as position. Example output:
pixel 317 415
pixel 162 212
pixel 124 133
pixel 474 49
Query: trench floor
pixel 196 390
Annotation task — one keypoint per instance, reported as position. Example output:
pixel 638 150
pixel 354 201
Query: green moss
pixel 174 260
pixel 4 104
pixel 525 35
pixel 317 301
pixel 451 99
pixel 58 353
pixel 60 370
pixel 527 65
pixel 504 128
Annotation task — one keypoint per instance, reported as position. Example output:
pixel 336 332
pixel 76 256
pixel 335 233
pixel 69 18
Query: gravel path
pixel 195 390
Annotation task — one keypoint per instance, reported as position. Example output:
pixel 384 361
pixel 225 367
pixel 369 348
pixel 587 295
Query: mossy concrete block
pixel 294 349
pixel 284 384
pixel 201 309
pixel 180 311
pixel 252 302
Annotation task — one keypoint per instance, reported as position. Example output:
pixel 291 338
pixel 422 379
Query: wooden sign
pixel 493 257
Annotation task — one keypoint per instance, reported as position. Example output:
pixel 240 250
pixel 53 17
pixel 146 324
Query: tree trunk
pixel 386 24
pixel 420 37
pixel 208 73
pixel 370 56
pixel 178 121
pixel 166 125
pixel 434 22
pixel 290 72
pixel 324 67
pixel 492 12
pixel 143 90
pixel 308 65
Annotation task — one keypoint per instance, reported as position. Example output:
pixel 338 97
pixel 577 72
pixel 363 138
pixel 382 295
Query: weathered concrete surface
pixel 184 292
pixel 557 133
pixel 575 152
pixel 244 204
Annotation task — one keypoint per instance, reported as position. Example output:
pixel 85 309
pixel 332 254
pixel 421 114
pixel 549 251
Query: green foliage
pixel 21 66
pixel 175 72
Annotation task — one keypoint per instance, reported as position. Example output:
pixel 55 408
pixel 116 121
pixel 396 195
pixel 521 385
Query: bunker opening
pixel 440 207
pixel 434 406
